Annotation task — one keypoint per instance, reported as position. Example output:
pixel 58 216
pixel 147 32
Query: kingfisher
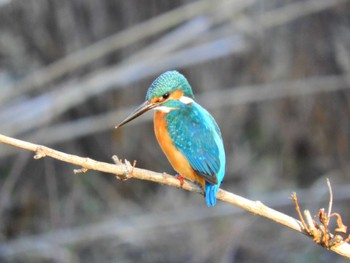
pixel 186 132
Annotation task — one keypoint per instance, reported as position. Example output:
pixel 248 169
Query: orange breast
pixel 175 157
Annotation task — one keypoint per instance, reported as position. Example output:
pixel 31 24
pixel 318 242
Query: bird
pixel 186 132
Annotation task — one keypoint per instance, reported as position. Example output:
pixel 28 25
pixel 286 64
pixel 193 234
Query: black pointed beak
pixel 144 107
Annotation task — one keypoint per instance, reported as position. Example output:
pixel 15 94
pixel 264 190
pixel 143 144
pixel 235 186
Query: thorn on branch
pixel 131 174
pixel 116 160
pixel 39 152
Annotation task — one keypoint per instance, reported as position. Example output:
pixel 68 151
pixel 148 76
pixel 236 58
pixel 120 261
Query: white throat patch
pixel 186 100
pixel 164 109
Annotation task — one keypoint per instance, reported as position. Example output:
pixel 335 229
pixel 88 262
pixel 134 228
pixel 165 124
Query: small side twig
pixel 129 169
pixel 297 207
pixel 330 198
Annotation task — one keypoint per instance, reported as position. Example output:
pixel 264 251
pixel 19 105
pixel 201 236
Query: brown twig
pixel 297 207
pixel 319 231
pixel 255 207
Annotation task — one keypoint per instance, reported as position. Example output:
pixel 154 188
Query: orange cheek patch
pixel 176 95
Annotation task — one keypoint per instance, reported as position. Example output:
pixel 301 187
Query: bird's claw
pixel 181 180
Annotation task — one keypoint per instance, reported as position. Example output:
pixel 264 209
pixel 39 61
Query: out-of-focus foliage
pixel 275 74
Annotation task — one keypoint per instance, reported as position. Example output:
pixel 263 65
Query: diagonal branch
pixel 125 170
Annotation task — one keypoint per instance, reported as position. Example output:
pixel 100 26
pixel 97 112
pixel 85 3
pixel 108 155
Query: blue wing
pixel 195 133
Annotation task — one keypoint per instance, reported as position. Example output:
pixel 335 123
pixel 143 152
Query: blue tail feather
pixel 210 193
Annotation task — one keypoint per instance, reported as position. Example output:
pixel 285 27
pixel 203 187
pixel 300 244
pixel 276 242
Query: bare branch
pixel 127 170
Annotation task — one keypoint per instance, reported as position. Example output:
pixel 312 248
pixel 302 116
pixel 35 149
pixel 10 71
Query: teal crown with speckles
pixel 168 82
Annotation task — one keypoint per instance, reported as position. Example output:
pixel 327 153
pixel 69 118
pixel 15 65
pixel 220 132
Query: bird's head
pixel 168 87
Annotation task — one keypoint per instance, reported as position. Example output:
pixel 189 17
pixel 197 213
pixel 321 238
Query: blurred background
pixel 275 74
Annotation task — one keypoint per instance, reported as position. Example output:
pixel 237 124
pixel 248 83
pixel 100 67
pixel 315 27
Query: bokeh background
pixel 274 74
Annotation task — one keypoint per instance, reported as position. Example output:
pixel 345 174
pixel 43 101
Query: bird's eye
pixel 166 95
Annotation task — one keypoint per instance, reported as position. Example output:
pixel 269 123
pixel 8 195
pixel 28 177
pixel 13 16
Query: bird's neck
pixel 159 119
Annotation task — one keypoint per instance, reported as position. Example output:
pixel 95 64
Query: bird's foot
pixel 181 179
